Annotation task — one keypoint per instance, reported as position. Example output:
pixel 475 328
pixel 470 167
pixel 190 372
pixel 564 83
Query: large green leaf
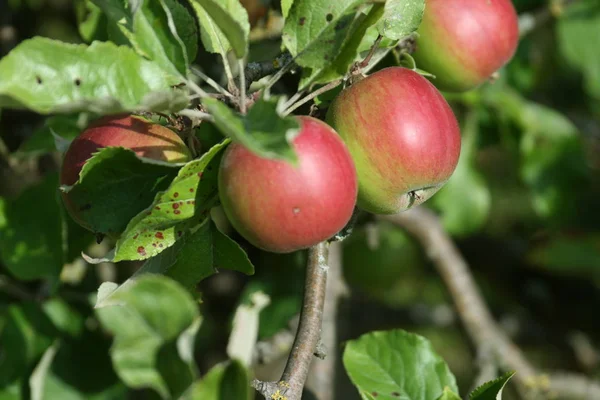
pixel 31 232
pixel 578 38
pixel 396 364
pixel 315 30
pixel 48 76
pixel 154 321
pixel 225 381
pixel 115 185
pixel 224 26
pixel 181 207
pixel 263 131
pixel 401 18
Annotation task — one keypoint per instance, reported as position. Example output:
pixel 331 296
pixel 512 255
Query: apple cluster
pixel 391 140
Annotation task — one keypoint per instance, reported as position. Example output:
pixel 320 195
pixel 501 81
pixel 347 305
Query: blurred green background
pixel 522 207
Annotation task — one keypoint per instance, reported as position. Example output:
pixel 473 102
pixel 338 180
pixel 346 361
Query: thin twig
pixel 199 91
pixel 211 82
pixel 321 90
pixel 230 81
pixel 242 87
pixel 293 99
pixel 367 59
pixel 196 116
pixel 291 384
pixel 321 379
pixel 477 319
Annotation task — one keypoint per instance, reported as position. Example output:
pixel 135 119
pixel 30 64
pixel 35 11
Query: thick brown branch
pixel 479 323
pixel 296 370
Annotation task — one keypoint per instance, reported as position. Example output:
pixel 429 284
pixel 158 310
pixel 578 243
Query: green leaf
pixel 225 381
pixel 58 131
pixel 578 32
pixel 203 252
pixel 197 256
pixel 154 321
pixel 48 76
pixel 449 395
pixel 396 364
pixel 569 255
pixel 115 185
pixel 154 34
pixel 82 369
pixel 349 51
pixel 26 335
pixel 31 232
pixel 401 18
pixel 182 206
pixel 38 376
pixel 224 26
pixel 65 319
pixel 465 200
pixel 91 22
pixel 262 131
pixel 554 163
pixel 315 30
pixel 285 7
pixel 491 390
pixel 12 392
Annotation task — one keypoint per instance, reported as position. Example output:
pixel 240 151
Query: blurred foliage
pixel 522 205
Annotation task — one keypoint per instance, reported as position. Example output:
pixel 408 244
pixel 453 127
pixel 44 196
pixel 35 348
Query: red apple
pixel 463 42
pixel 282 208
pixel 145 138
pixel 402 135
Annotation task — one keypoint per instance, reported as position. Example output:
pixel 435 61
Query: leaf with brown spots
pixel 175 210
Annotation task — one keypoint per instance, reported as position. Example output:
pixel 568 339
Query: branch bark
pixel 257 70
pixel 291 384
pixel 477 319
pixel 321 379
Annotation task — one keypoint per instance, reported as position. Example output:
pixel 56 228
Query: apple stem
pixel 478 321
pixel 230 81
pixel 367 59
pixel 309 97
pixel 242 77
pixel 308 335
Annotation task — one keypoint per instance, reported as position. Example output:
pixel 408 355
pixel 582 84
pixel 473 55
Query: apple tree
pixel 239 199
